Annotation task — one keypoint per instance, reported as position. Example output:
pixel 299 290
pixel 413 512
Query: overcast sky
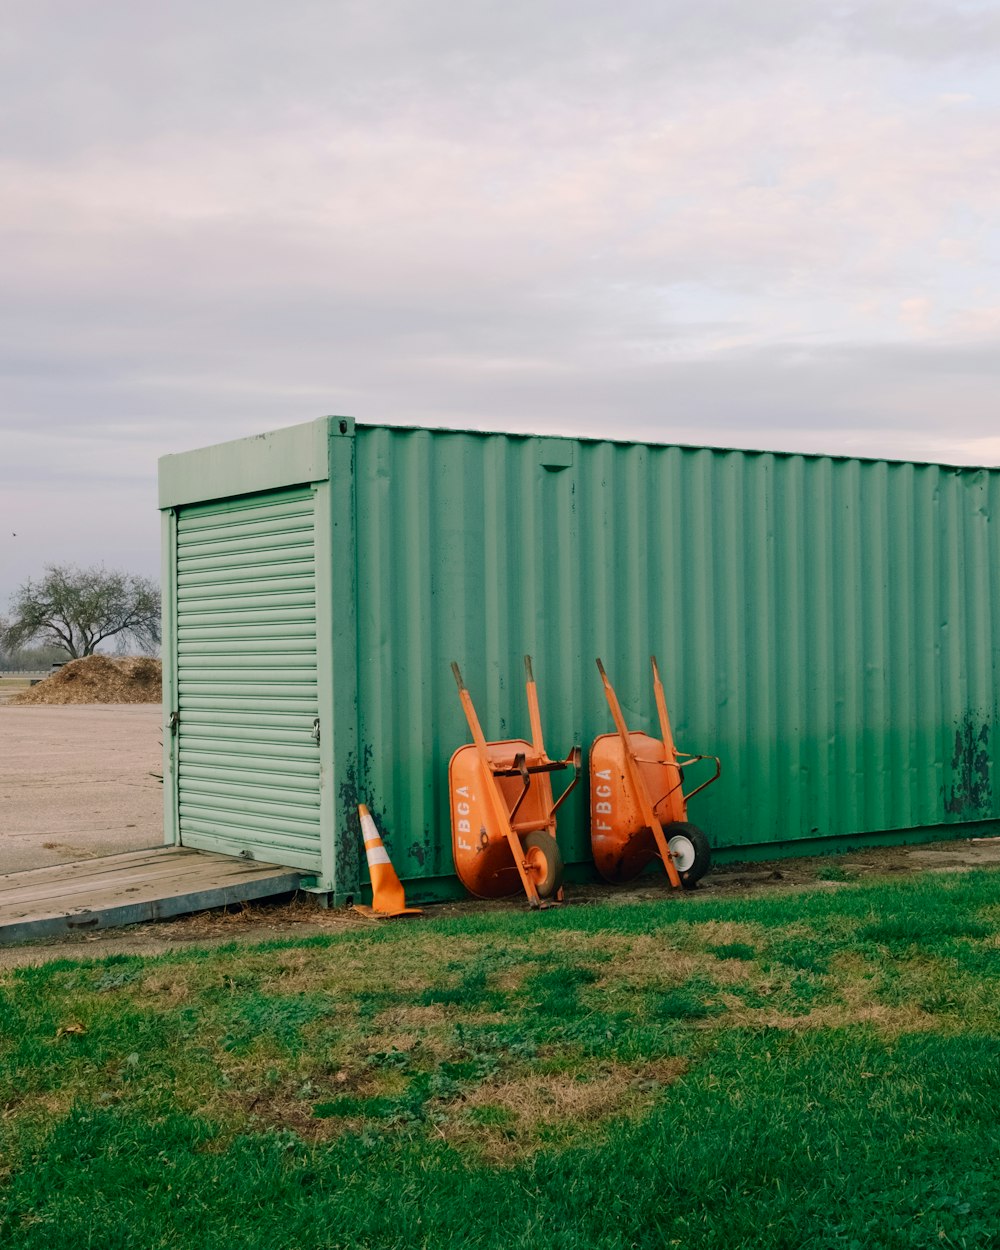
pixel 766 225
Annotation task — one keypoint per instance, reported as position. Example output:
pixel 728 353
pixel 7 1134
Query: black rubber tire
pixel 699 844
pixel 549 847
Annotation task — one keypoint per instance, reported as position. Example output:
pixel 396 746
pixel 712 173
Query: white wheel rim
pixel 682 850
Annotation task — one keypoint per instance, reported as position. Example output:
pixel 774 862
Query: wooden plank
pixel 40 885
pixel 68 886
pixel 161 885
pixel 98 864
pixel 131 888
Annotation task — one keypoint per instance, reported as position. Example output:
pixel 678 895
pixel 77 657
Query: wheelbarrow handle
pixel 691 759
pixel 575 758
pixel 526 771
pixel 550 766
pixel 688 759
pixel 521 770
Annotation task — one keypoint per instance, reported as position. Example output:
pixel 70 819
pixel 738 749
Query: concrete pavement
pixel 75 782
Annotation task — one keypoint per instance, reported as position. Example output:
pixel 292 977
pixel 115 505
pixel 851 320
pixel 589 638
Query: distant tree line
pixel 31 659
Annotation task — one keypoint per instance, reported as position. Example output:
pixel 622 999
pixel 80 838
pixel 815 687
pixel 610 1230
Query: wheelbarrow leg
pixel 499 807
pixel 638 783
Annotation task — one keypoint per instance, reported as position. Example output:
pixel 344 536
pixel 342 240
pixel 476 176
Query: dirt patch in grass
pixel 506 1118
pixel 167 990
pixel 290 915
pixel 409 1028
pixel 400 968
pixel 851 993
pixel 412 1019
pixel 724 933
pixel 259 1111
pixel 544 1099
pixel 37 1110
pixel 511 979
pixel 648 960
pixel 252 1095
pixel 890 1021
pixel 732 971
pixel 403 1043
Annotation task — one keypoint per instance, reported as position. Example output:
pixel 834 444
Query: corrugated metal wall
pixel 828 627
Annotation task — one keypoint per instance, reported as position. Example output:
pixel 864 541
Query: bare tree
pixel 77 609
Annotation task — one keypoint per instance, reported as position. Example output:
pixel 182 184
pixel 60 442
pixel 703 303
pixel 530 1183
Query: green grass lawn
pixel 817 1069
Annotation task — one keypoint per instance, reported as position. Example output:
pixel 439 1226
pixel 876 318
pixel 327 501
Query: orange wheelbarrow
pixel 503 818
pixel 638 808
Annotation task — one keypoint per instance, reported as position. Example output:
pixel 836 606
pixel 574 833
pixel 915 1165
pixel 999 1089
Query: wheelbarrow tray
pixel 483 859
pixel 621 841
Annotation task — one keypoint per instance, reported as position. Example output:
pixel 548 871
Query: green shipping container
pixel 830 627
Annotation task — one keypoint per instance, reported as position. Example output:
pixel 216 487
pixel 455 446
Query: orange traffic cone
pixel 388 898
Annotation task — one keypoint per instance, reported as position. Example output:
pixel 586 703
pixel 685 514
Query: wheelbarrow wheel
pixel 691 852
pixel 544 863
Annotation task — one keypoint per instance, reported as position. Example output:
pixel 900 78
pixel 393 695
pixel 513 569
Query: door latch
pixel 315 730
pixel 173 721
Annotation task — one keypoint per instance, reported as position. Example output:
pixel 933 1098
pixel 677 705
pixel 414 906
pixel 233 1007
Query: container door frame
pixel 337 666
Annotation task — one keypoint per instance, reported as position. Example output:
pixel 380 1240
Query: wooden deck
pixel 130 888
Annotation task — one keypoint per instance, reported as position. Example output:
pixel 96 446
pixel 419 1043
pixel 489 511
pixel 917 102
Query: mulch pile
pixel 99 679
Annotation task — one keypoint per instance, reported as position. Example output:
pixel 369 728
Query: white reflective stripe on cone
pixel 377 854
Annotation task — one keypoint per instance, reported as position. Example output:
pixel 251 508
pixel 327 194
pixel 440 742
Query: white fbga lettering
pixel 462 808
pixel 603 809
